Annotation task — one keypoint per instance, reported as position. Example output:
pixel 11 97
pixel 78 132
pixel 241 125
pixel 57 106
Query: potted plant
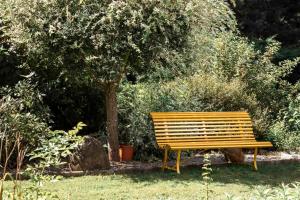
pixel 125 150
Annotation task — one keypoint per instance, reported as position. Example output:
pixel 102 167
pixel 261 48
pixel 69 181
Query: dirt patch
pixel 196 160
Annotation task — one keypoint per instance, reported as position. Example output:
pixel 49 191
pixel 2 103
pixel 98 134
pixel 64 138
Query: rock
pixel 285 156
pixel 90 155
pixel 234 155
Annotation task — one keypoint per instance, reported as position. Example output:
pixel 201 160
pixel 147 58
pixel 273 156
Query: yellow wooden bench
pixel 179 131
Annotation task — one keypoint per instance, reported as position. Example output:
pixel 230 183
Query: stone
pixel 234 155
pixel 90 155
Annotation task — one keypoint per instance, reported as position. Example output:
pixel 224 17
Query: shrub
pixel 196 93
pixel 52 149
pixel 285 133
pixel 234 76
pixel 23 113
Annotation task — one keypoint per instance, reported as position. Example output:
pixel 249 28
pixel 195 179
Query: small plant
pixel 206 175
pixel 284 192
pixel 55 147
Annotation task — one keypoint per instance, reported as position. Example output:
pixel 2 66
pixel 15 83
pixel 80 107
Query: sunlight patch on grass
pixel 234 179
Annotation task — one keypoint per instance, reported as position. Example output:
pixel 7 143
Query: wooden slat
pixel 196 113
pixel 197 133
pixel 223 120
pixel 214 115
pixel 205 130
pixel 204 137
pixel 201 122
pixel 223 146
pixel 171 142
pixel 218 143
pixel 157 127
pixel 167 130
pixel 213 143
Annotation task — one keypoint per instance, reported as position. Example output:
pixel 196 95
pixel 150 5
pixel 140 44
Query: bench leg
pixel 254 159
pixel 178 161
pixel 165 159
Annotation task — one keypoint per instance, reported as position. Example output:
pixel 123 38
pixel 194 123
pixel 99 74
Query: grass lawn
pixel 234 179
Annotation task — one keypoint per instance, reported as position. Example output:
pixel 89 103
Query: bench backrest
pixel 184 127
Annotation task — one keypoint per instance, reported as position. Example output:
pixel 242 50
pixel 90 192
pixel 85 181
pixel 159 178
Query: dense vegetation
pixel 185 57
pixel 110 63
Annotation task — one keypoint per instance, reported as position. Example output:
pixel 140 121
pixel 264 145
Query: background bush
pixel 22 115
pixel 285 133
pixel 219 70
pixel 232 76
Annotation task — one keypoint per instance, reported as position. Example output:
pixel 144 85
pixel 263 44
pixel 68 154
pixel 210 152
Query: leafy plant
pixel 22 113
pixel 98 42
pixel 285 132
pixel 206 175
pixel 57 146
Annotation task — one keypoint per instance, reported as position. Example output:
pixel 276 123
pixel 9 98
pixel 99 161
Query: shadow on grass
pixel 267 174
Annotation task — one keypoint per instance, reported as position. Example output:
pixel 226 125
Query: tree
pixel 99 41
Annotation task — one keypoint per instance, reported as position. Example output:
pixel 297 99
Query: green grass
pixel 234 179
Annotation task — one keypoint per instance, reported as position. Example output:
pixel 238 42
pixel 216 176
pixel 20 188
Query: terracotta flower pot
pixel 126 152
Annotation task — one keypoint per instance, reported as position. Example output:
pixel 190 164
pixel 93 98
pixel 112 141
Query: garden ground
pixel 233 179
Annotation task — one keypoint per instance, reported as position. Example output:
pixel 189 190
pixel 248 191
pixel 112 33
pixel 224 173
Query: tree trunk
pixel 112 121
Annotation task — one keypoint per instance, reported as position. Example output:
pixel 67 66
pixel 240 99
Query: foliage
pixel 56 146
pixel 9 58
pixel 286 131
pixel 206 175
pixel 22 113
pixel 98 42
pixel 286 191
pixel 195 93
pixel 228 73
pixel 231 76
pixel 53 148
pixel 100 39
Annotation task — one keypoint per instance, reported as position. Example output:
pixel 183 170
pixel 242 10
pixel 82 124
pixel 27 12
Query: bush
pixel 230 74
pixel 196 93
pixel 285 133
pixel 22 114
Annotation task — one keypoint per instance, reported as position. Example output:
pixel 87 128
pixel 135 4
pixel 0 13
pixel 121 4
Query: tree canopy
pixel 98 41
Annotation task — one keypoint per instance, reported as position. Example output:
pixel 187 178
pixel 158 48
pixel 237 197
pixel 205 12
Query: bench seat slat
pixel 208 140
pixel 216 142
pixel 197 133
pixel 197 113
pixel 220 144
pixel 158 127
pixel 202 129
pixel 203 122
pixel 223 120
pixel 204 136
pixel 246 146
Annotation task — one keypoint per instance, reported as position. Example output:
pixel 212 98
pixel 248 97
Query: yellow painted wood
pixel 165 159
pixel 204 137
pixel 204 130
pixel 178 162
pixel 202 133
pixel 254 159
pixel 245 146
pixel 169 130
pixel 202 122
pixel 159 127
pixel 220 119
